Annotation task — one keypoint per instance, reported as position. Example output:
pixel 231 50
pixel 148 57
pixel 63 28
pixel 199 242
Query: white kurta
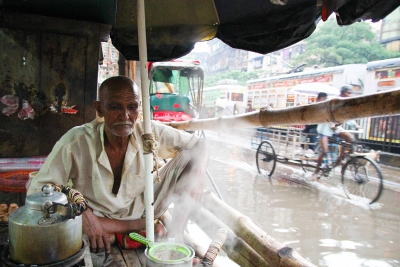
pixel 79 157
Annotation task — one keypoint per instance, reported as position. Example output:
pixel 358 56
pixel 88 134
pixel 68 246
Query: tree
pixel 240 76
pixel 332 45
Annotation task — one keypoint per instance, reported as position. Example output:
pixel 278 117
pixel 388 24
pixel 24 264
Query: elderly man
pixel 104 161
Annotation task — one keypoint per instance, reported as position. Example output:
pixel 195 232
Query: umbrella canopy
pixel 174 26
pixel 262 26
pixel 314 89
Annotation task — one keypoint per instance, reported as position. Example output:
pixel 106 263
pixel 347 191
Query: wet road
pixel 314 218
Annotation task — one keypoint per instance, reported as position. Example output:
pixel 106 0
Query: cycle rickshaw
pixel 361 176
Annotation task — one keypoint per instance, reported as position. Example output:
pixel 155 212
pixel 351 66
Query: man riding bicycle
pixel 326 130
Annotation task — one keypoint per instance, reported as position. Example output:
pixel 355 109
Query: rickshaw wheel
pixel 266 158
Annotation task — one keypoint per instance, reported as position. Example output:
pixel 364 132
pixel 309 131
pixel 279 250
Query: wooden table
pixel 122 257
pixel 127 257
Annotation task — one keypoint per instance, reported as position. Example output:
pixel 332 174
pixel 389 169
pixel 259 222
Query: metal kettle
pixel 45 230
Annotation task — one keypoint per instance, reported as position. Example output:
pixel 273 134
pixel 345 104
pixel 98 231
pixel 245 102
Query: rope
pixel 75 196
pixel 150 145
pixel 214 248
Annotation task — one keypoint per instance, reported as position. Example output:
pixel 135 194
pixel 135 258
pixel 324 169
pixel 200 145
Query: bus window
pixel 237 97
pixel 290 101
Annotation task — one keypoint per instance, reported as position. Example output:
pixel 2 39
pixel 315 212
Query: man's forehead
pixel 116 86
pixel 120 89
pixel 121 95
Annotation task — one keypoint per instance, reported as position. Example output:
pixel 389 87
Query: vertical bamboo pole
pixel 148 160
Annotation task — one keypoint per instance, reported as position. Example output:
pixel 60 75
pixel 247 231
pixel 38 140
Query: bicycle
pixel 361 176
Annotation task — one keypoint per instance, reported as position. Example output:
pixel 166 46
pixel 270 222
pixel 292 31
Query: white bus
pixel 381 132
pixel 225 99
pixel 382 75
pixel 275 91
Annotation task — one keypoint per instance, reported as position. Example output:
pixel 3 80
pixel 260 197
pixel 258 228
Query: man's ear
pixel 97 106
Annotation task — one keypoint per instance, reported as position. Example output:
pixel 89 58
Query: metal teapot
pixel 46 230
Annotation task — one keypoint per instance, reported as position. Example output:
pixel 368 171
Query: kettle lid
pixel 36 200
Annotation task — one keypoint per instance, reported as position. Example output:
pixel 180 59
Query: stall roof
pixel 174 26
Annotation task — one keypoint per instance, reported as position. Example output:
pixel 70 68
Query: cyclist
pixel 312 128
pixel 326 130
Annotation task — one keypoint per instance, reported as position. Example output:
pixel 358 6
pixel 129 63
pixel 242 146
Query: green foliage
pixel 240 76
pixel 332 45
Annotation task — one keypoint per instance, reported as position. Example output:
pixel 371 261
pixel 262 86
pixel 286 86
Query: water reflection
pixel 318 221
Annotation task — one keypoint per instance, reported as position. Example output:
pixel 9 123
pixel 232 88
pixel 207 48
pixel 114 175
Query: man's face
pixel 119 105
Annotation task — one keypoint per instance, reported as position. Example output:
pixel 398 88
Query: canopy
pixel 174 26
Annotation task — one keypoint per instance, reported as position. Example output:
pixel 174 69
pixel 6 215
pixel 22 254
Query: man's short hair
pixel 121 80
pixel 346 88
pixel 321 95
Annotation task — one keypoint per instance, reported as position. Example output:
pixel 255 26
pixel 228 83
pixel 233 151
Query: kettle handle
pixel 79 203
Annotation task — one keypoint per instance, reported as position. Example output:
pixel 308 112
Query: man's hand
pixel 159 229
pixel 98 237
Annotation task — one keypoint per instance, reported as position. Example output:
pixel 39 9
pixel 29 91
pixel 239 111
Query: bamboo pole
pixel 236 249
pixel 336 110
pixel 275 253
pixel 148 159
pixel 166 219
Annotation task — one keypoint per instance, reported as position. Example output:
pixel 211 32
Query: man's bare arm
pixel 99 229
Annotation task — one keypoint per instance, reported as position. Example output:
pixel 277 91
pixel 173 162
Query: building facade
pixel 108 66
pixel 276 63
pixel 390 31
pixel 224 58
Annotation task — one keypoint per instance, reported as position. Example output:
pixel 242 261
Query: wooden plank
pixel 122 258
pixel 142 256
pixel 67 77
pixel 132 257
pixel 44 53
pixel 119 260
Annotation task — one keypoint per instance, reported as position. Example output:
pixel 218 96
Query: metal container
pixel 157 256
pixel 45 230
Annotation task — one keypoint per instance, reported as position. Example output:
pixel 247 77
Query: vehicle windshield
pixel 169 81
